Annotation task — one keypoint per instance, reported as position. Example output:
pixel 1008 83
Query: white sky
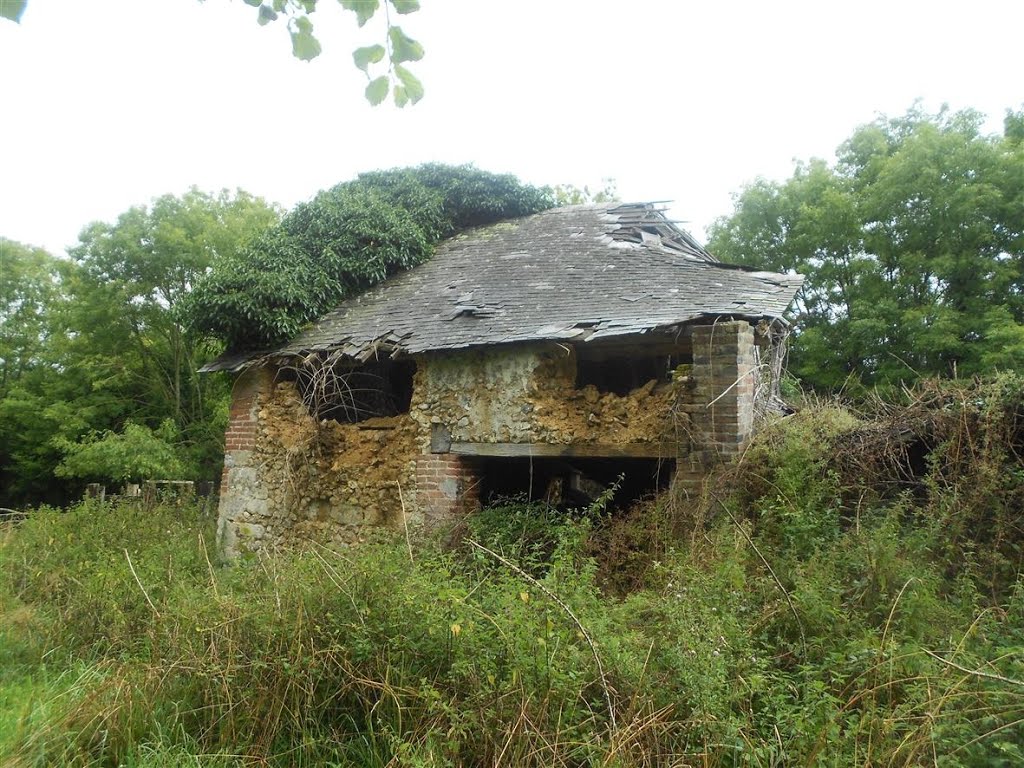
pixel 108 104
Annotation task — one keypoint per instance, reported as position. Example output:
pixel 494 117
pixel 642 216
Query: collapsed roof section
pixel 578 273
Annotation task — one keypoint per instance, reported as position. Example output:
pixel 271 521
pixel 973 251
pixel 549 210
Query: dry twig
pixel 976 672
pixel 139 582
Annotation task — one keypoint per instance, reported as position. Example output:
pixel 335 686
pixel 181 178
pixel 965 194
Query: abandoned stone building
pixel 543 356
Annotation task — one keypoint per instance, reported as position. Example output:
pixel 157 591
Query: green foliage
pixel 401 48
pixel 12 9
pixel 32 289
pixel 29 284
pixel 370 54
pixel 395 48
pixel 912 245
pixel 92 343
pixel 570 194
pixel 772 635
pixel 794 487
pixel 535 535
pixel 136 453
pixel 342 658
pixel 75 568
pixel 839 602
pixel 345 240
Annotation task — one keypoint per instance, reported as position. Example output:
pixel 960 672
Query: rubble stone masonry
pixel 288 478
pixel 244 495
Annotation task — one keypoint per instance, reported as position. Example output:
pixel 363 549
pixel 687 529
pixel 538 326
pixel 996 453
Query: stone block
pixel 227 539
pixel 257 507
pixel 231 506
pixel 237 459
pixel 242 476
pixel 449 488
pixel 250 530
pixel 348 514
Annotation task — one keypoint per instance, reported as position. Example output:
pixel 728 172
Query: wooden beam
pixel 665 450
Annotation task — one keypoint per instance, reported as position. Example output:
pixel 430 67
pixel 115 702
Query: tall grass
pixel 803 623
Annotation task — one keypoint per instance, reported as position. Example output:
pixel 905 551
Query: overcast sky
pixel 108 104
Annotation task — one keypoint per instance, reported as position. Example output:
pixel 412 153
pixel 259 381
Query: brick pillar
pixel 723 371
pixel 446 485
pixel 243 496
pixel 722 402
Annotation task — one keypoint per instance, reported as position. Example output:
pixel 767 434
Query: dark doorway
pixel 572 483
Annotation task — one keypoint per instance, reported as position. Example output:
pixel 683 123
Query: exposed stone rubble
pixel 288 478
pixel 561 413
pixel 529 395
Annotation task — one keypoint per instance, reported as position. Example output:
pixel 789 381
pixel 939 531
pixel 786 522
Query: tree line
pixel 98 368
pixel 912 244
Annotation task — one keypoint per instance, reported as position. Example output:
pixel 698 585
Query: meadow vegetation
pixel 849 594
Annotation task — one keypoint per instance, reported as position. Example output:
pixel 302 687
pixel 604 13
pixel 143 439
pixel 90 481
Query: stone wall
pixel 244 493
pixel 479 396
pixel 289 478
pixel 321 482
pixel 528 394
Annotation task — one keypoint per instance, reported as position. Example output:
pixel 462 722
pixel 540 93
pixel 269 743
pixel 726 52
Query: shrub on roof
pixel 345 240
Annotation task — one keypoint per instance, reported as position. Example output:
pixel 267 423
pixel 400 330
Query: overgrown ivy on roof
pixel 345 240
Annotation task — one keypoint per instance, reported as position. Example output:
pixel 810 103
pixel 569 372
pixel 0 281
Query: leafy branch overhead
pixel 382 62
pixel 12 9
pixel 343 241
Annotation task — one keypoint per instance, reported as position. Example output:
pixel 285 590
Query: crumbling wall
pixel 480 396
pixel 528 394
pixel 297 479
pixel 561 413
pixel 325 482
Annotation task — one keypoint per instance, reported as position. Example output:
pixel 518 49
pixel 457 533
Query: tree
pixel 570 194
pixel 343 241
pixel 28 285
pixel 105 345
pixel 912 245
pixel 135 453
pixel 31 287
pixel 383 63
pixel 126 302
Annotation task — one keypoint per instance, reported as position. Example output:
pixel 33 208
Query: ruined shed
pixel 544 355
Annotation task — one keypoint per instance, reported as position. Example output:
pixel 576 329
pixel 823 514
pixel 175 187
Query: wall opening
pixel 619 373
pixel 347 393
pixel 572 483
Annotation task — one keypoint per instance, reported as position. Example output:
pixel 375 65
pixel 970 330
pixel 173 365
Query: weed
pixel 815 616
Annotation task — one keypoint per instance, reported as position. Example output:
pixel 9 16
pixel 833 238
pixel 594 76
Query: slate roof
pixel 578 273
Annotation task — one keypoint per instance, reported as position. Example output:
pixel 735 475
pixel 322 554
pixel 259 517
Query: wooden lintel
pixel 579 450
